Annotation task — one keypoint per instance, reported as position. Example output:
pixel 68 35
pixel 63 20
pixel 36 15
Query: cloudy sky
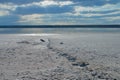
pixel 59 12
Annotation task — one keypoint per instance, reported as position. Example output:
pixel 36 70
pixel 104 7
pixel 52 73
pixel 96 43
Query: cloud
pixel 42 10
pixel 79 10
pixel 5 9
pixel 60 12
pixel 43 19
pixel 31 19
pixel 8 6
pixel 114 18
pixel 53 19
pixel 94 14
pixel 4 13
pixel 64 3
pixel 47 3
pixel 44 3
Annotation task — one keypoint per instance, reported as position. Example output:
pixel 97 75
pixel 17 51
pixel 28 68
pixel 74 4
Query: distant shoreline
pixel 59 26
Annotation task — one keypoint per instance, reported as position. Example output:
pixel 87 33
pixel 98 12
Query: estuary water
pixel 57 30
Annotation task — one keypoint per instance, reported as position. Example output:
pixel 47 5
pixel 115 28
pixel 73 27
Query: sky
pixel 59 12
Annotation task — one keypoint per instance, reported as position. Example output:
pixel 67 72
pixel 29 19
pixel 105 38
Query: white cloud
pixel 8 6
pixel 52 19
pixel 108 7
pixel 105 7
pixel 4 13
pixel 47 3
pixel 41 4
pixel 63 3
pixel 112 18
pixel 5 9
pixel 31 19
pixel 42 19
pixel 93 14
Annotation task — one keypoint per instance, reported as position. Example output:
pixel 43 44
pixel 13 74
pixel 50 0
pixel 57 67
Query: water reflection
pixel 54 30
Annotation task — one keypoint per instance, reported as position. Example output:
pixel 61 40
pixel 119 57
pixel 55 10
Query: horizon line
pixel 59 26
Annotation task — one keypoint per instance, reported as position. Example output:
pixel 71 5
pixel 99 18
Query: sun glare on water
pixel 43 34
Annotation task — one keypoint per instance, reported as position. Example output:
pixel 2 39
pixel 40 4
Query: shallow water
pixel 56 30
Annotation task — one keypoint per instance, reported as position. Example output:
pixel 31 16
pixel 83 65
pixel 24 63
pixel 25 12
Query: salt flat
pixel 74 56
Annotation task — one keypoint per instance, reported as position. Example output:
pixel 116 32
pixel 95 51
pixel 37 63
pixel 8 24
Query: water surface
pixel 57 30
